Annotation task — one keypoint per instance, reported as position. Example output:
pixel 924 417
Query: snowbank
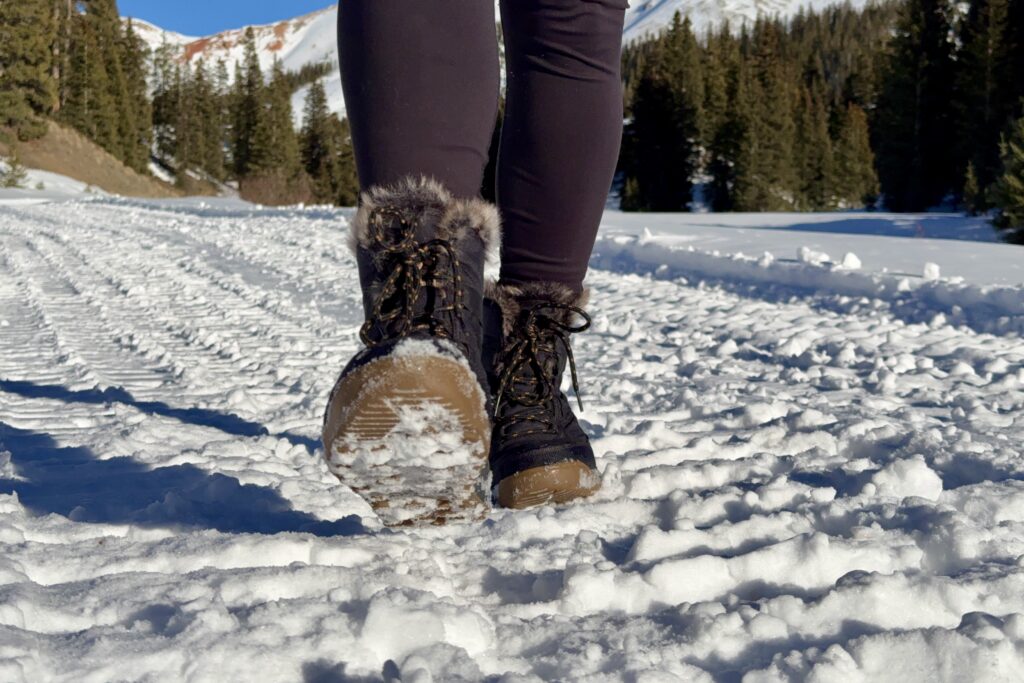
pixel 997 308
pixel 43 186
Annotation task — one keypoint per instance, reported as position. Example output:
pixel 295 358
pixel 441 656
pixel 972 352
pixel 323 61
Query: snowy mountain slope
pixel 309 39
pixel 312 38
pixel 156 37
pixel 802 480
pixel 645 17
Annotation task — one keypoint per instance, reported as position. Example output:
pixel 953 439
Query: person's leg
pixel 421 82
pixel 559 146
pixel 561 135
pixel 421 87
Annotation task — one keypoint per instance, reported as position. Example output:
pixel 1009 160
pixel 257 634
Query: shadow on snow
pixel 72 481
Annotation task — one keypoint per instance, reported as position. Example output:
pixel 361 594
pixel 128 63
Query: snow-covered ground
pixel 812 465
pixel 43 186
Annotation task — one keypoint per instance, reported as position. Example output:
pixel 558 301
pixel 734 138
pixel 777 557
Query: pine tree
pixel 198 132
pixel 27 87
pixel 634 59
pixel 222 88
pixel 60 50
pixel 247 104
pixel 732 148
pixel 974 198
pixel 76 100
pixel 1008 193
pixel 719 55
pixel 107 23
pixel 813 154
pixel 96 92
pixel 773 180
pixel 221 79
pixel 90 107
pixel 275 173
pixel 233 118
pixel 665 133
pixel 137 127
pixel 275 145
pixel 742 146
pixel 683 69
pixel 166 78
pixel 982 109
pixel 14 174
pixel 1011 67
pixel 211 119
pixel 856 182
pixel 187 125
pixel 198 127
pixel 348 180
pixel 660 170
pixel 320 157
pixel 915 121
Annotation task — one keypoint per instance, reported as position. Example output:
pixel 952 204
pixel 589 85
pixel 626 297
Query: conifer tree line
pixel 77 62
pixel 913 102
pixel 771 117
pixel 212 125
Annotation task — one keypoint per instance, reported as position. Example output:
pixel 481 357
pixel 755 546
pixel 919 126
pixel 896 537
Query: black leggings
pixel 421 83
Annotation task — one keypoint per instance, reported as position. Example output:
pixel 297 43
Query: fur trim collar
pixel 425 201
pixel 510 299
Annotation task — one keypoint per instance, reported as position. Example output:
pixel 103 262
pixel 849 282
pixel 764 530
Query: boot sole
pixel 558 483
pixel 411 435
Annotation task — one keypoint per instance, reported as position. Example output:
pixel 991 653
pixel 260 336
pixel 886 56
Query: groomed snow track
pixel 799 482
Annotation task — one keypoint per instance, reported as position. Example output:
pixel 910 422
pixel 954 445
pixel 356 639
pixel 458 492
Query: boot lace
pixel 530 378
pixel 416 267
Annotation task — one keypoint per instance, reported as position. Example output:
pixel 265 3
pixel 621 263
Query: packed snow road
pixel 800 482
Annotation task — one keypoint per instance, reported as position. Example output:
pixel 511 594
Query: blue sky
pixel 202 17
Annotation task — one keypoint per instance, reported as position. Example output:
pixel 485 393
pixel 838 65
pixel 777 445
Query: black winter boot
pixel 539 453
pixel 407 425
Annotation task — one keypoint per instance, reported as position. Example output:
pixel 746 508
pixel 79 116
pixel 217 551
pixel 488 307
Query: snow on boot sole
pixel 411 434
pixel 558 483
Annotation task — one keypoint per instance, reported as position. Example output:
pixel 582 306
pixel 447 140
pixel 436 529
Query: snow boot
pixel 539 453
pixel 407 425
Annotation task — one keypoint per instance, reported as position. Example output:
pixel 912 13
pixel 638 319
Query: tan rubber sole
pixel 559 483
pixel 411 435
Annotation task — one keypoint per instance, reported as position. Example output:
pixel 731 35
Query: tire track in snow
pixel 36 353
pixel 198 322
pixel 289 332
pixel 83 324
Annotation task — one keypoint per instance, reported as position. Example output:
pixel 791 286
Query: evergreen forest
pixel 78 63
pixel 907 105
